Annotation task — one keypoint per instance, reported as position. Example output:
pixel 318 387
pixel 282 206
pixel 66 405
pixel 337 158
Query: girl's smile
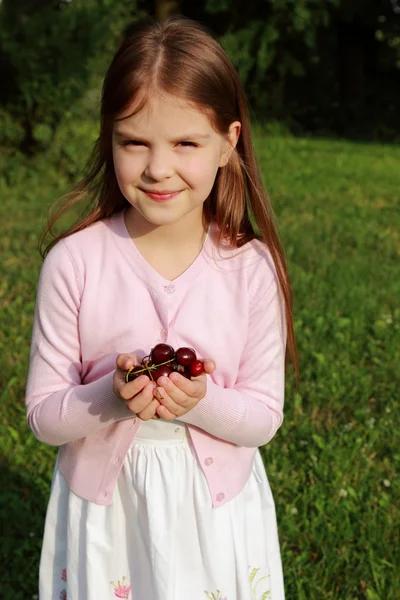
pixel 161 196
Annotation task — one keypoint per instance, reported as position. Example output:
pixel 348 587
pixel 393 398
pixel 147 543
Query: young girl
pixel 159 491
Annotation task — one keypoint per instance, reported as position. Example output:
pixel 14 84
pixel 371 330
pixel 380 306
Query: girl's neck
pixel 169 249
pixel 177 234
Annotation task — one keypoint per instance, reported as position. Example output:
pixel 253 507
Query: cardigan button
pixel 170 289
pixel 208 461
pixel 220 497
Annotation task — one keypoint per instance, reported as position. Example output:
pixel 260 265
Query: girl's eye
pixel 139 144
pixel 133 143
pixel 188 144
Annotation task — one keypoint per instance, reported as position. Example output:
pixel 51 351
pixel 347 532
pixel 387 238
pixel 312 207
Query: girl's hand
pixel 138 394
pixel 176 395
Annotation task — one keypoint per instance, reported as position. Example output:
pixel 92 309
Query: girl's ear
pixel 230 142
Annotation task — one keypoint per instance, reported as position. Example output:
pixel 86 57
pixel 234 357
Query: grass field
pixel 334 464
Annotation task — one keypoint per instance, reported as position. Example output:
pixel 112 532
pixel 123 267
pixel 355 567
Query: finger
pixel 126 361
pixel 148 413
pixel 168 387
pixel 127 391
pixel 186 386
pixel 141 400
pixel 165 414
pixel 166 401
pixel 209 366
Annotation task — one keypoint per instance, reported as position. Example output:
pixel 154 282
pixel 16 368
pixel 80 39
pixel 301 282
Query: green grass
pixel 333 464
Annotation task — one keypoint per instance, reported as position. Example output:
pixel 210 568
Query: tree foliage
pixel 314 47
pixel 49 52
pixel 320 63
pixel 267 40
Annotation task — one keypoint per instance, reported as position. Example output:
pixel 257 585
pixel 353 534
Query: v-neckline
pixel 148 273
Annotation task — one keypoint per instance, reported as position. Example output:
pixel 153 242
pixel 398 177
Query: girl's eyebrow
pixel 190 136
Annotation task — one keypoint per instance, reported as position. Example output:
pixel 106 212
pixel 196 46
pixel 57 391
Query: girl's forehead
pixel 165 111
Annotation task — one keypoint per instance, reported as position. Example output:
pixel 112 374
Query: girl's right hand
pixel 137 395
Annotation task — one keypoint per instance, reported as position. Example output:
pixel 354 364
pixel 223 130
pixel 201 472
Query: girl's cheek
pixel 201 167
pixel 129 169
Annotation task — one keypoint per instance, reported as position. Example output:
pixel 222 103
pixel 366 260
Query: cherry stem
pixel 149 369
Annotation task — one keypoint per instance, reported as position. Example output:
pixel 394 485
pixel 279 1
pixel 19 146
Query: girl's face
pixel 166 158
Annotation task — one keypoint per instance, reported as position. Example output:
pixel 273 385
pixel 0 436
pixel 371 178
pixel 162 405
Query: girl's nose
pixel 159 165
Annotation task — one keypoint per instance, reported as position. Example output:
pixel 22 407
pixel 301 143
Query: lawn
pixel 333 464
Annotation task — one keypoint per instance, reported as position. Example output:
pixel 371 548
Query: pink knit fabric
pixel 98 297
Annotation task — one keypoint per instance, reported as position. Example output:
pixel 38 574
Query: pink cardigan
pixel 98 297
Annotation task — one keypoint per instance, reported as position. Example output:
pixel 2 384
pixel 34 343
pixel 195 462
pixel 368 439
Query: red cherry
pixel 185 356
pixel 162 371
pixel 135 372
pixel 196 368
pixel 161 353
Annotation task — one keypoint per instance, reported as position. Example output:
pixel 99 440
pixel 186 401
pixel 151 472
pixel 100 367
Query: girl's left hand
pixel 177 395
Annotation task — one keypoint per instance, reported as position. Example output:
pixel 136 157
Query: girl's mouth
pixel 161 196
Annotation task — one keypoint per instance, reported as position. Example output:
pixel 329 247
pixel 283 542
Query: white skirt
pixel 161 539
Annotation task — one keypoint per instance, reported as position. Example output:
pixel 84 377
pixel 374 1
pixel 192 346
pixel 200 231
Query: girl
pixel 159 491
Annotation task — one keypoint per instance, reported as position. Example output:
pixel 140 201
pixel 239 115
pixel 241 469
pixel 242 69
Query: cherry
pixel 134 372
pixel 161 353
pixel 162 371
pixel 184 371
pixel 185 356
pixel 163 360
pixel 196 368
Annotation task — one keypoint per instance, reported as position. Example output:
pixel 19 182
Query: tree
pixel 361 26
pixel 48 57
pixel 321 61
pixel 267 40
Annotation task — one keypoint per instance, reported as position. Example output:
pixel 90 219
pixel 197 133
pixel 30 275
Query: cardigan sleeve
pixel 250 413
pixel 59 407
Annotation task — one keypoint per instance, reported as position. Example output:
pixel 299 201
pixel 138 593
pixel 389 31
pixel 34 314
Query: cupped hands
pixel 168 398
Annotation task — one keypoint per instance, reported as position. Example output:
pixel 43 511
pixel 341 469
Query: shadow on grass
pixel 23 505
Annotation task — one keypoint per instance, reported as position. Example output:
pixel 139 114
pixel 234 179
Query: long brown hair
pixel 180 57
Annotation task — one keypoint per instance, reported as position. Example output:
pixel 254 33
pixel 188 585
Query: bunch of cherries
pixel 163 360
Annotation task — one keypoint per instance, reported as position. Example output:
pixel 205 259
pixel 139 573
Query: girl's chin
pixel 158 216
pixel 149 219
